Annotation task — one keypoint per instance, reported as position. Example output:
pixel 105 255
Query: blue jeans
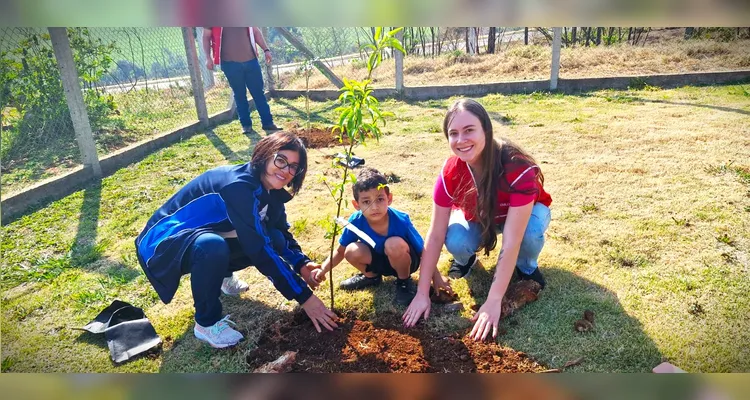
pixel 209 260
pixel 463 238
pixel 241 75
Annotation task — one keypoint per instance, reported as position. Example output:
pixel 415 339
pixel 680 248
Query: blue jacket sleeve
pixel 242 209
pixel 292 251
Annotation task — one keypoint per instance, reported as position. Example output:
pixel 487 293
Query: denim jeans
pixel 209 260
pixel 463 238
pixel 241 75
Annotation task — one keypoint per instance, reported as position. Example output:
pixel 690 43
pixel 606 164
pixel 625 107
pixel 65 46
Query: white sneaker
pixel 233 287
pixel 218 335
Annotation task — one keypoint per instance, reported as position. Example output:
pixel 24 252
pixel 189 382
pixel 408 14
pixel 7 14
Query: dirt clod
pixel 442 297
pixel 519 294
pixel 586 324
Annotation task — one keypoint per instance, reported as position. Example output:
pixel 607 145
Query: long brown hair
pixel 272 144
pixel 495 157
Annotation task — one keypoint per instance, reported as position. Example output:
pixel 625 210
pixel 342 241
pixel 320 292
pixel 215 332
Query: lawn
pixel 651 214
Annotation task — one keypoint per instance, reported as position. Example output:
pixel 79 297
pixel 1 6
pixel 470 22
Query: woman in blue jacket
pixel 225 220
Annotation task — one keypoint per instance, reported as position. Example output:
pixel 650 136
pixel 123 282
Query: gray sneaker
pixel 218 335
pixel 233 287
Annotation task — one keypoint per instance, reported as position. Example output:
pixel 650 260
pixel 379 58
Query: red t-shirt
pixel 455 187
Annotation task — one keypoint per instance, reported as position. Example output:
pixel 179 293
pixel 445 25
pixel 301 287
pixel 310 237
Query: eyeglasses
pixel 281 162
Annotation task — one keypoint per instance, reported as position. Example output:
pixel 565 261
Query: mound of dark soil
pixel 382 346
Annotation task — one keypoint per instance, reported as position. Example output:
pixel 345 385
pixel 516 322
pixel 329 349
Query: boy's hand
pixel 318 275
pixel 319 314
pixel 306 273
pixel 445 284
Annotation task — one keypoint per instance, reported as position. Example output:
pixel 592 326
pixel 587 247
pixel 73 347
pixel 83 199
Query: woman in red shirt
pixel 488 187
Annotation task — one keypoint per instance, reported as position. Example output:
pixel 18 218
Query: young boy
pixel 397 244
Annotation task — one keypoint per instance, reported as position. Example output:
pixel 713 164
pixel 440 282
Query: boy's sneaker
pixel 233 287
pixel 360 281
pixel 535 276
pixel 459 271
pixel 405 291
pixel 247 130
pixel 218 335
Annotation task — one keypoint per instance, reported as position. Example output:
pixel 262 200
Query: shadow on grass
pixel 185 353
pixel 545 330
pixel 301 115
pixel 84 248
pixel 629 98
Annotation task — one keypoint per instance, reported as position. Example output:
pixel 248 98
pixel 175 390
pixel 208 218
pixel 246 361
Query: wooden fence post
pixel 555 70
pixel 195 75
pixel 399 64
pixel 74 97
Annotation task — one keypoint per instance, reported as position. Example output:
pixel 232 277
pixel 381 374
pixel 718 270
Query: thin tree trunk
pixel 491 40
pixel 573 32
pixel 526 35
pixel 599 35
pixel 432 34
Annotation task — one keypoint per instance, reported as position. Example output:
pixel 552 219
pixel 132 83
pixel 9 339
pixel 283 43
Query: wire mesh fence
pixel 136 81
pixel 37 130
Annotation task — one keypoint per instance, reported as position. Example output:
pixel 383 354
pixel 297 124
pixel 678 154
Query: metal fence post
pixel 269 66
pixel 74 97
pixel 399 58
pixel 555 70
pixel 195 75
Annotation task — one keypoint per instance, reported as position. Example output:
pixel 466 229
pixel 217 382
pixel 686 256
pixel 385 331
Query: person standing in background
pixel 236 50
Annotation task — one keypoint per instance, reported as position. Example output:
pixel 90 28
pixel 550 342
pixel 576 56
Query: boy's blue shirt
pixel 399 224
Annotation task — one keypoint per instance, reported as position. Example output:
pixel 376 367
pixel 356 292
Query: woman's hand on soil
pixel 420 306
pixel 486 320
pixel 319 314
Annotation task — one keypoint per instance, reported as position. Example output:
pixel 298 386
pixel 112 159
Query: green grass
pixel 643 233
pixel 141 114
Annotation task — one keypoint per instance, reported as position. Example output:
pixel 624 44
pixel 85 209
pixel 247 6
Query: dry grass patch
pixel 662 54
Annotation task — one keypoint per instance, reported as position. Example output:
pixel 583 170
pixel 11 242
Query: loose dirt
pixel 384 345
pixel 315 137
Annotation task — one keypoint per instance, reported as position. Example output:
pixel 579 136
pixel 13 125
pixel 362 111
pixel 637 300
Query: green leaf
pixel 395 31
pixel 397 45
pixel 378 33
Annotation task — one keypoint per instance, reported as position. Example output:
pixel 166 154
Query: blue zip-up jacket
pixel 222 200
